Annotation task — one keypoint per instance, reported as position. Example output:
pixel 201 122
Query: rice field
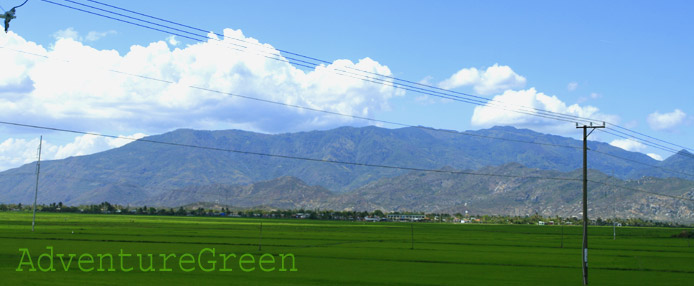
pixel 237 251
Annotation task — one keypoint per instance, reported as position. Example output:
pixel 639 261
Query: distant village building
pixel 540 223
pixel 405 217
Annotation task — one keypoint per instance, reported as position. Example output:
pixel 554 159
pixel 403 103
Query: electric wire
pixel 663 141
pixel 363 118
pixel 475 100
pixel 642 163
pixel 464 133
pixel 327 62
pixel 489 102
pixel 411 88
pixel 282 156
pixel 620 134
pixel 340 72
pixel 641 191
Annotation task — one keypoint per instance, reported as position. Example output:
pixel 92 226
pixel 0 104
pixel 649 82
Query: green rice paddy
pixel 334 252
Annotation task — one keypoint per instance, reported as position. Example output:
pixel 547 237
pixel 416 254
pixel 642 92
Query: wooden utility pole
pixel 562 235
pixel 614 213
pixel 412 235
pixel 260 241
pixel 36 192
pixel 585 196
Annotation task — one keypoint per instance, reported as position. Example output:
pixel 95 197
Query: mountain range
pixel 519 191
pixel 143 172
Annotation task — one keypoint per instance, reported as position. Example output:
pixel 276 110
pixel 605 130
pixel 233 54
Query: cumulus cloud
pixel 71 33
pixel 94 35
pixel 16 152
pixel 655 156
pixel 501 111
pixel 628 144
pixel 492 80
pixel 172 40
pixel 666 121
pixel 68 33
pixel 572 86
pixel 84 94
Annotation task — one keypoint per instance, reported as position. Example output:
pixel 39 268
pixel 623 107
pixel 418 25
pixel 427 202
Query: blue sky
pixel 628 62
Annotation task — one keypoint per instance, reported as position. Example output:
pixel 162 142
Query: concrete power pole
pixel 36 192
pixel 585 196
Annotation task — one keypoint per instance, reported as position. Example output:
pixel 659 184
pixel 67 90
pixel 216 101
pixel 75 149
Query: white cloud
pixel 172 40
pixel 501 112
pixel 655 156
pixel 628 144
pixel 68 33
pixel 16 152
pixel 666 121
pixel 94 35
pixel 594 95
pixel 494 79
pixel 72 34
pixel 572 86
pixel 77 95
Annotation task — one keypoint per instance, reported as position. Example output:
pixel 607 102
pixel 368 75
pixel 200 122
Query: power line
pixel 663 141
pixel 3 174
pixel 186 189
pixel 465 133
pixel 642 163
pixel 555 116
pixel 359 117
pixel 641 191
pixel 472 99
pixel 342 72
pixel 315 59
pixel 368 72
pixel 649 143
pixel 183 189
pixel 411 86
pixel 645 142
pixel 284 156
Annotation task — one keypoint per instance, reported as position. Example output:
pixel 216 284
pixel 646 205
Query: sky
pixel 624 62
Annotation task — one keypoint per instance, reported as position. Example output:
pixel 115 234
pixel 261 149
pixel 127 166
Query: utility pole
pixel 260 241
pixel 614 213
pixel 585 196
pixel 562 235
pixel 36 192
pixel 412 235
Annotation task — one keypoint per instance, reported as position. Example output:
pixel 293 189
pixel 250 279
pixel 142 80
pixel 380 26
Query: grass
pixel 354 253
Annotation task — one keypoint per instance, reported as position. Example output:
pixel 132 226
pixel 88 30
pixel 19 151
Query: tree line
pixel 108 208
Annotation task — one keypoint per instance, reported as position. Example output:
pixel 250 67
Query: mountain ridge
pixel 522 192
pixel 144 169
